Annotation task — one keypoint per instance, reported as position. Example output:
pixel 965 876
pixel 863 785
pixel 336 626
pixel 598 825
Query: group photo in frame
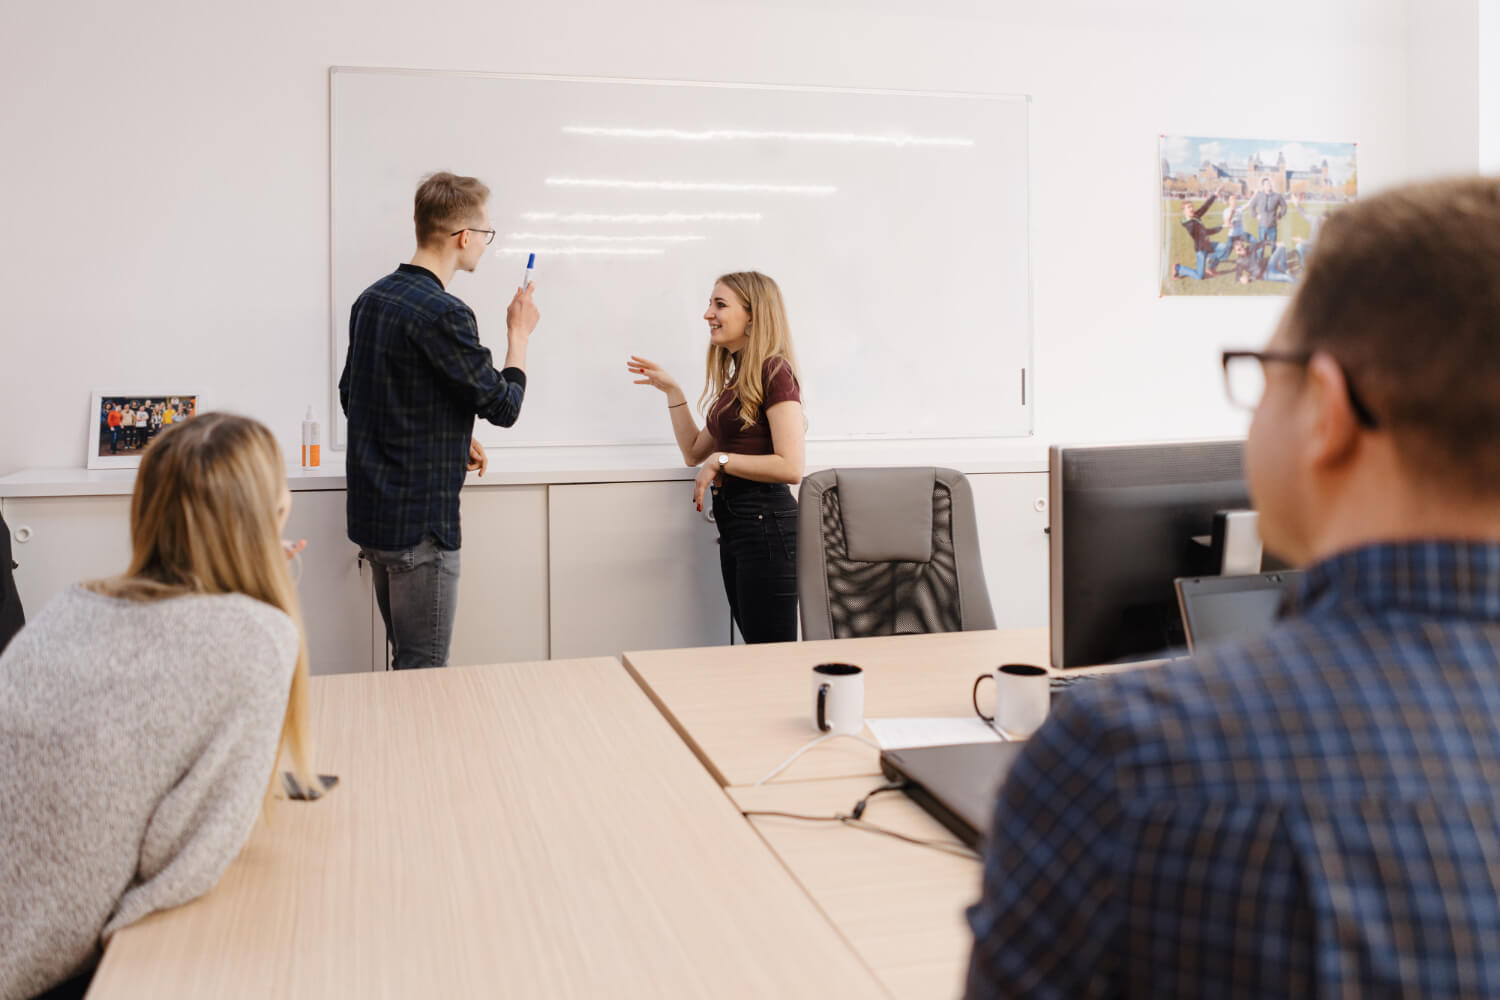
pixel 1242 216
pixel 123 423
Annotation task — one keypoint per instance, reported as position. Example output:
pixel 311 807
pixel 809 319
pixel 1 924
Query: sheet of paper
pixel 893 734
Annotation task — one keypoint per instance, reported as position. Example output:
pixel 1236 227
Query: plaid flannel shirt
pixel 1310 812
pixel 414 379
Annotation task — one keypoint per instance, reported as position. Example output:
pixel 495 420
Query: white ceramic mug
pixel 1023 696
pixel 838 691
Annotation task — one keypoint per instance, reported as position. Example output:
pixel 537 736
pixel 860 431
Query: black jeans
pixel 758 557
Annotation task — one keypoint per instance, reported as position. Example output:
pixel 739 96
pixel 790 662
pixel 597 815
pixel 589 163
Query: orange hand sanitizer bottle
pixel 310 435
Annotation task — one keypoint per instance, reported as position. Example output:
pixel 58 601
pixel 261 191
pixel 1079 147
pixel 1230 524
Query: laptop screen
pixel 1217 608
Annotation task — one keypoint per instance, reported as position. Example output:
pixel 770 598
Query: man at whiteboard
pixel 414 379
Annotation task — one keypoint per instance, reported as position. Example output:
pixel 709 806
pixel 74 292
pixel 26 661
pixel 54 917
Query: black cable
pixel 859 807
pixel 848 819
pixel 786 815
pixel 957 850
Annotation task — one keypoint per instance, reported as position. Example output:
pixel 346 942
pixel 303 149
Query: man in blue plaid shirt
pixel 1314 811
pixel 415 378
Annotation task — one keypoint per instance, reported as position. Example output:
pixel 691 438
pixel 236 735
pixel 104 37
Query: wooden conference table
pixel 745 709
pixel 526 830
pixel 540 830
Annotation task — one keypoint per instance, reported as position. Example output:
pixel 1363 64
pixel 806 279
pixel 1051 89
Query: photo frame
pixel 115 438
pixel 1241 217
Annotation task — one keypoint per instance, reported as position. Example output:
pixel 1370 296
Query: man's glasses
pixel 1245 380
pixel 489 234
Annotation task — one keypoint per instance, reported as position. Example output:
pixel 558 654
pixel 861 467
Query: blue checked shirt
pixel 1311 812
pixel 415 378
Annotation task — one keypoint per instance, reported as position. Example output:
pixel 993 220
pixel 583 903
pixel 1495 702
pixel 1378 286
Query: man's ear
pixel 1332 430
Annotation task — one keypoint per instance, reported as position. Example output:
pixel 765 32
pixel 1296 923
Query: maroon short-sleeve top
pixel 730 433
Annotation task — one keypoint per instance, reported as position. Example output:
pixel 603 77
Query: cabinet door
pixel 633 566
pixel 502 583
pixel 338 599
pixel 1012 513
pixel 58 541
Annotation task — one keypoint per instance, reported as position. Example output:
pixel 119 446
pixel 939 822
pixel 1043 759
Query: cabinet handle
pixel 23 534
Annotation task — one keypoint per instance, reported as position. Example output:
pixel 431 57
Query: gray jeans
pixel 417 590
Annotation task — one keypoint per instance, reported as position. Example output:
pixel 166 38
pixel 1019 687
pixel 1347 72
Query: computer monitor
pixel 1125 522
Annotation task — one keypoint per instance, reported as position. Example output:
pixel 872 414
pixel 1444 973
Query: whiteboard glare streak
pixel 590 251
pixel 719 187
pixel 735 134
pixel 641 218
pixel 593 238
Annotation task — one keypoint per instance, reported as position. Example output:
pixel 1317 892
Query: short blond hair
pixel 446 202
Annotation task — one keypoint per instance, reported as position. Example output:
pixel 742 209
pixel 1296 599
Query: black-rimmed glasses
pixel 1245 380
pixel 489 234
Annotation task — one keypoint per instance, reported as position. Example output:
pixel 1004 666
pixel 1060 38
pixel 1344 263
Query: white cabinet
pixel 502 583
pixel 337 595
pixel 547 571
pixel 633 566
pixel 1012 512
pixel 59 541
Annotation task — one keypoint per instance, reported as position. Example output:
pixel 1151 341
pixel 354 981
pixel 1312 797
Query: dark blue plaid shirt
pixel 1312 812
pixel 415 378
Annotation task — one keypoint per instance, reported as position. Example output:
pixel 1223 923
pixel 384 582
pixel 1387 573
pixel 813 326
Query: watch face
pixel 723 459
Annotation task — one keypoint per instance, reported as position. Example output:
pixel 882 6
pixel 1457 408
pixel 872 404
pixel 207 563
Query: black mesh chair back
pixel 889 552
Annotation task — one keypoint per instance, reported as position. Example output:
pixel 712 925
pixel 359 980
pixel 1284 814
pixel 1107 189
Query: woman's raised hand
pixel 651 374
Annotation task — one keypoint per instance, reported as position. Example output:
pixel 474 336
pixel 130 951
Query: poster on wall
pixel 1242 216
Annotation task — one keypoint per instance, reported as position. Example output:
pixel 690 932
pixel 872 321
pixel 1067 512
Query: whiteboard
pixel 895 223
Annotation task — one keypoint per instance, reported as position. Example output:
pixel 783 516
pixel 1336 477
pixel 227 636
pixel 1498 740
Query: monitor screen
pixel 1125 522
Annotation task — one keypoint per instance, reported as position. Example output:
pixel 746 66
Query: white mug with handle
pixel 1023 696
pixel 838 691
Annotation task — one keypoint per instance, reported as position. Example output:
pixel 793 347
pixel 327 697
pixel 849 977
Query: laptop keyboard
pixel 1062 682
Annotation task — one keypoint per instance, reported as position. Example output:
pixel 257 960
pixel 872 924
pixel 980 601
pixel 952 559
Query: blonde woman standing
pixel 141 717
pixel 750 448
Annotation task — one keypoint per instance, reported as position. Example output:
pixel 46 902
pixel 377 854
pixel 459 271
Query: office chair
pixel 11 617
pixel 889 552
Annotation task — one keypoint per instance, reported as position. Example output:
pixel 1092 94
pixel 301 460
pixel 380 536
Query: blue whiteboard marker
pixel 530 271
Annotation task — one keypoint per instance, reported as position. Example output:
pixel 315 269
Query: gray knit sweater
pixel 136 743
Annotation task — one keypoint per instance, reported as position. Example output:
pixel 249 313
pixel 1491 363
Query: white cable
pixel 801 750
pixel 809 745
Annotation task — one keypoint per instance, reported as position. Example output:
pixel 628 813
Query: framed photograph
pixel 122 424
pixel 1242 216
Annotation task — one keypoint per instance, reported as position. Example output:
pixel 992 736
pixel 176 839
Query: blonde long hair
pixel 203 520
pixel 770 337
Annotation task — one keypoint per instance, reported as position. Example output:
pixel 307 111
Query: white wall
pixel 1443 70
pixel 166 170
pixel 1489 86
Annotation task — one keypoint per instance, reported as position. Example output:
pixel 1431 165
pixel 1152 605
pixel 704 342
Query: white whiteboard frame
pixel 1027 389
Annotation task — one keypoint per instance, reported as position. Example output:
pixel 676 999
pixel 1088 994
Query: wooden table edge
pixel 676 724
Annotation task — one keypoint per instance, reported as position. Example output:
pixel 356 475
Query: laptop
pixel 956 784
pixel 1216 608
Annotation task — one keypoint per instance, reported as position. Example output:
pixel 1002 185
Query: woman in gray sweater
pixel 141 717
